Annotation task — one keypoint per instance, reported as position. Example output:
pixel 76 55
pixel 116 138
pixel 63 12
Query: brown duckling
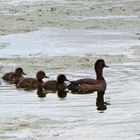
pixel 32 83
pixel 56 85
pixel 87 85
pixel 13 77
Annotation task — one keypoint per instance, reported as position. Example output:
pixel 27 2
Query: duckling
pixel 14 77
pixel 88 85
pixel 56 85
pixel 32 83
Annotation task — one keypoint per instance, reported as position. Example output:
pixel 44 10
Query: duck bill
pixel 24 73
pixel 67 80
pixel 106 66
pixel 46 77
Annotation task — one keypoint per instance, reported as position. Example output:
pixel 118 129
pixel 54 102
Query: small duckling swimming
pixel 32 83
pixel 13 77
pixel 88 85
pixel 55 85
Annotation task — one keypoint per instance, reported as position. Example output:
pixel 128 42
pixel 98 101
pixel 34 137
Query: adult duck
pixel 88 85
pixel 32 83
pixel 13 77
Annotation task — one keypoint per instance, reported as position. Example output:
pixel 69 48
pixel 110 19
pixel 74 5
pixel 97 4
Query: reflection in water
pixel 62 94
pixel 40 93
pixel 101 105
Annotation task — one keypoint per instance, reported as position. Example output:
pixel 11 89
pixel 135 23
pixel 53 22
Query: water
pixel 60 42
pixel 25 116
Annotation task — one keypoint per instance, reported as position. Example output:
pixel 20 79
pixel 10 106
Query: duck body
pixel 74 85
pixel 58 86
pixel 9 76
pixel 28 83
pixel 55 85
pixel 14 77
pixel 32 83
pixel 85 86
pixel 88 85
pixel 51 85
pixel 99 86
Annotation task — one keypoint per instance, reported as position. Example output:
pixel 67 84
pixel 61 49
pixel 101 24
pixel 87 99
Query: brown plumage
pixel 32 83
pixel 84 86
pixel 13 77
pixel 56 85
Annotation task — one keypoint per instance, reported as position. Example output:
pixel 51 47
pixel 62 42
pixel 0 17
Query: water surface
pixel 26 116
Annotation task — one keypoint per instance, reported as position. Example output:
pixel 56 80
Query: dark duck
pixel 58 86
pixel 88 85
pixel 32 83
pixel 14 77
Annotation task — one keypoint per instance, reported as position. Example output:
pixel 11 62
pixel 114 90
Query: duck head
pixel 19 71
pixel 61 78
pixel 99 66
pixel 40 75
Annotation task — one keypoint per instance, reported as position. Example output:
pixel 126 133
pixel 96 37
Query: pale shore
pixel 29 16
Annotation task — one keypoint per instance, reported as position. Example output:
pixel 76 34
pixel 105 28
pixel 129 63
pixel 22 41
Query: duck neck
pixel 59 83
pixel 40 80
pixel 99 74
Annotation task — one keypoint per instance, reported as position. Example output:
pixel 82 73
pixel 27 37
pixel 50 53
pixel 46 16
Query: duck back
pixel 51 85
pixel 88 88
pixel 86 81
pixel 28 83
pixel 74 85
pixel 8 76
pixel 32 83
pixel 11 78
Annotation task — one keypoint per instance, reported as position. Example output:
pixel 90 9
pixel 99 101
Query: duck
pixel 54 86
pixel 88 85
pixel 58 86
pixel 14 77
pixel 32 83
